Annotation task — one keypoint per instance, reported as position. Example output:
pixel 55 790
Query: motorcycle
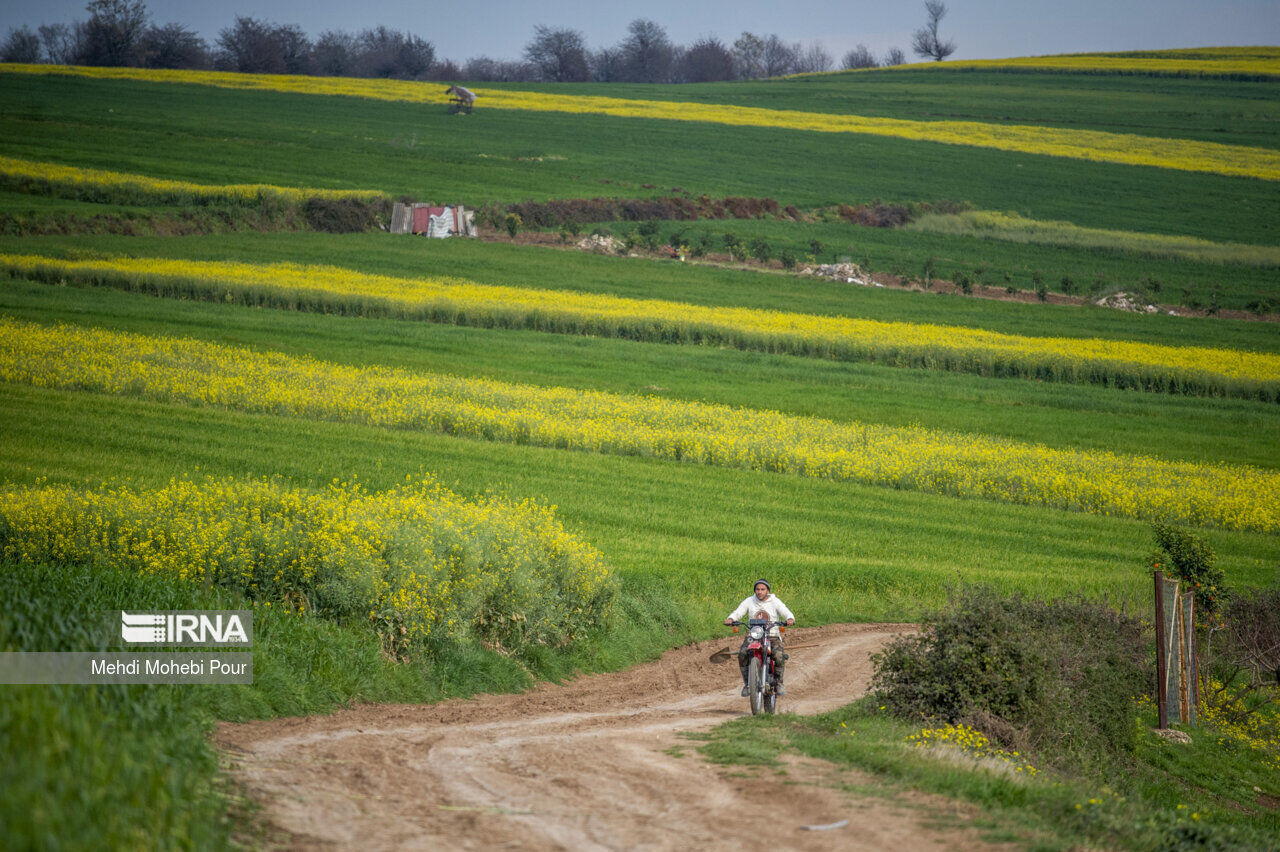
pixel 761 690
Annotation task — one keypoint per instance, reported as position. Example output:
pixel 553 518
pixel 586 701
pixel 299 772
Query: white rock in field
pixel 1124 302
pixel 849 273
pixel 601 243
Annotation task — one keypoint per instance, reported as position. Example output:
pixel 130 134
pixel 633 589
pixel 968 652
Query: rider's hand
pixel 728 622
pixel 790 621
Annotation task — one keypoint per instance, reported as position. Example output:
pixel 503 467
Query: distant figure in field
pixel 460 99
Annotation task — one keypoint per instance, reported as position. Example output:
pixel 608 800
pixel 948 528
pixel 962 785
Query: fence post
pixel 1175 694
pixel 1162 683
pixel 1190 673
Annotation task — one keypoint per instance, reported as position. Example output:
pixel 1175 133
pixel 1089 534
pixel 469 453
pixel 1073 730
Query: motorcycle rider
pixel 763 604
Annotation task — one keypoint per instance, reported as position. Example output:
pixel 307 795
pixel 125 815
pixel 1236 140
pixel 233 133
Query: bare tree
pixel 61 42
pixel 607 65
pixel 484 69
pixel 113 33
pixel 895 56
pixel 391 54
pixel 647 53
pixel 334 54
pixel 706 61
pixel 174 46
pixel 812 59
pixel 925 41
pixel 444 70
pixel 480 68
pixel 559 55
pixel 260 47
pixel 22 45
pixel 779 57
pixel 859 57
pixel 748 51
pixel 294 47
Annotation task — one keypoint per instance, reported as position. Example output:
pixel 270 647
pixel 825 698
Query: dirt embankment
pixel 595 763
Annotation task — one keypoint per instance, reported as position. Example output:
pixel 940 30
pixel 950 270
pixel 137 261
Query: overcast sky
pixel 500 28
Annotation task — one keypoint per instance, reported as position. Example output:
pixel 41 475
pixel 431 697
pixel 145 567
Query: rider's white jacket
pixel 776 609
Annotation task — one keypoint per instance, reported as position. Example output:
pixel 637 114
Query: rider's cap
pixel 766 584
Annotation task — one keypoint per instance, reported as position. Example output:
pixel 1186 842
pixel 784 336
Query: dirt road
pixel 596 763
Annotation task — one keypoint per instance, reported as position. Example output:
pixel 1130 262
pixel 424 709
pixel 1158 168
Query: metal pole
pixel 1162 686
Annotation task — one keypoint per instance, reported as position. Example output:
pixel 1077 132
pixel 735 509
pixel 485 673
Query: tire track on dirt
pixel 592 764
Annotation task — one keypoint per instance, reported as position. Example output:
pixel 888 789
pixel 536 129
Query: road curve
pixel 594 764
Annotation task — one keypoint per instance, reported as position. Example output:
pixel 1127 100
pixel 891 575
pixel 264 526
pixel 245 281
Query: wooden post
pixel 1190 674
pixel 1162 684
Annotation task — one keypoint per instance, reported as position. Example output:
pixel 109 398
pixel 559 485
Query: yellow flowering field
pixel 416 561
pixel 332 289
pixel 95 184
pixel 197 373
pixel 1100 146
pixel 1256 62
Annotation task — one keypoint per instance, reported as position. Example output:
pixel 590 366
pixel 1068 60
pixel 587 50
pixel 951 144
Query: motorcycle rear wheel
pixel 755 686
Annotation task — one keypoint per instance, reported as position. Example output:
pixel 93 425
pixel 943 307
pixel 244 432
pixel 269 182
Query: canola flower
pixel 973 466
pixel 1238 62
pixel 974 744
pixel 1227 710
pixel 416 562
pixel 95 184
pixel 1119 363
pixel 1099 146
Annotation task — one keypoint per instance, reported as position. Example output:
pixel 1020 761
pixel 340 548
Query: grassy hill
pixel 681 538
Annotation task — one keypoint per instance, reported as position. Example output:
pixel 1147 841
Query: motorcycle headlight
pixel 757 633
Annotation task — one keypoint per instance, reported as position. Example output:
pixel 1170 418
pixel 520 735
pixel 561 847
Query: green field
pixel 1230 111
pixel 682 539
pixel 214 136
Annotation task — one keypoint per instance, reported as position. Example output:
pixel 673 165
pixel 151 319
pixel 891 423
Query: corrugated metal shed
pixel 433 220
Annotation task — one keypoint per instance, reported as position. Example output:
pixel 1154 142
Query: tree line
pixel 121 33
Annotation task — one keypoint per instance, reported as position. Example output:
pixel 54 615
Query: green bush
pixel 1263 305
pixel 927 272
pixel 734 246
pixel 761 250
pixel 648 232
pixel 1192 561
pixel 1057 677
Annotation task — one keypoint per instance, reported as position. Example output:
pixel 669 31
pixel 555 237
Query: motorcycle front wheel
pixel 755 686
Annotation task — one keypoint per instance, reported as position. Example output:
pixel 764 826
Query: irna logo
pixel 193 627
